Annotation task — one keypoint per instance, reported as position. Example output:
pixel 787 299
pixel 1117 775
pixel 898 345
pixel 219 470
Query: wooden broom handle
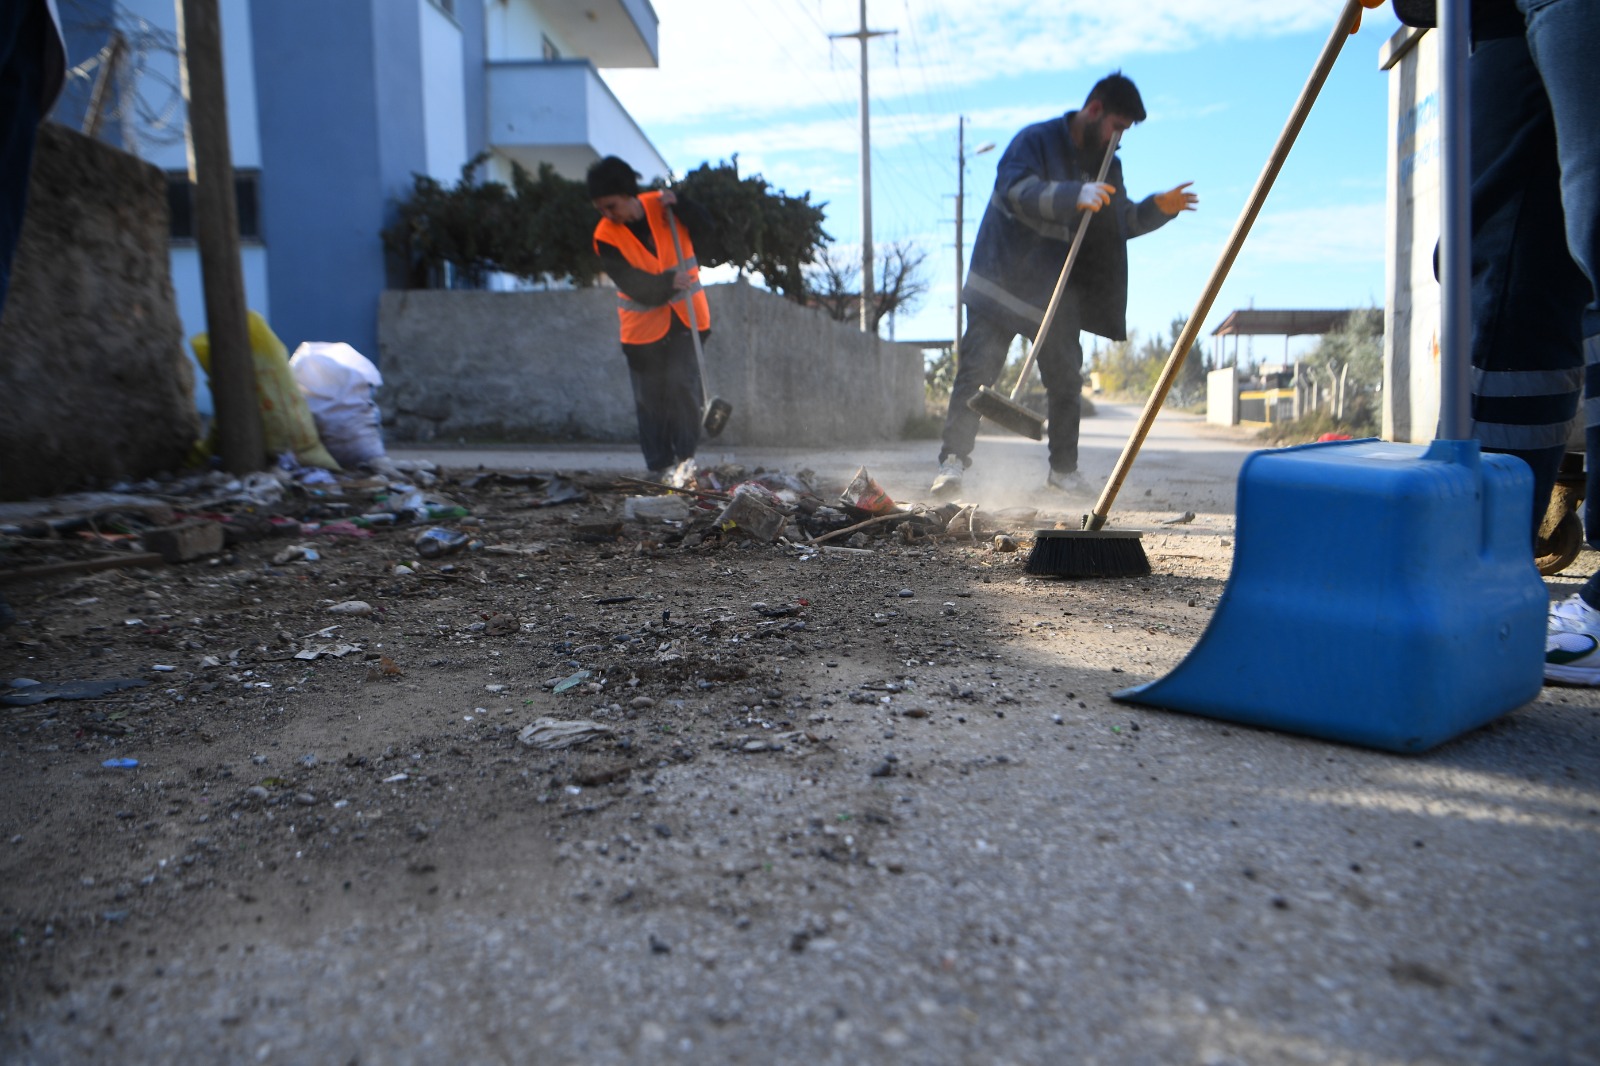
pixel 1219 273
pixel 1066 269
pixel 688 302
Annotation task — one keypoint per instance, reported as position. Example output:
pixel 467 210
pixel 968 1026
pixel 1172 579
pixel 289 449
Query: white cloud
pixel 1350 233
pixel 739 58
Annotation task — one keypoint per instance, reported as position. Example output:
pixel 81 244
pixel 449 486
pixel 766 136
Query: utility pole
pixel 961 203
pixel 233 377
pixel 863 35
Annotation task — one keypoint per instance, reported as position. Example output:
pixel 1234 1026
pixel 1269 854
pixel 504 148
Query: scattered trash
pixel 552 733
pixel 386 668
pixel 354 608
pixel 120 764
pixel 69 690
pixel 332 651
pixel 571 681
pixel 1186 517
pixel 753 511
pixel 865 494
pixel 296 553
pixel 673 508
pixel 432 543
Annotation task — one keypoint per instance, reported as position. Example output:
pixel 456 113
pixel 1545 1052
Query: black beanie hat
pixel 612 177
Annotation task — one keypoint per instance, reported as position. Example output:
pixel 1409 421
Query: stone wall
pixel 94 384
pixel 545 366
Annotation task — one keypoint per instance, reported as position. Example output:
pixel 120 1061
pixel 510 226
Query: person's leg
pixel 1061 369
pixel 1562 38
pixel 1527 294
pixel 681 399
pixel 983 357
pixel 648 373
pixel 24 35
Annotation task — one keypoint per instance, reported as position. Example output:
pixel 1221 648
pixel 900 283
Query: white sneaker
pixel 1070 482
pixel 684 475
pixel 1572 644
pixel 948 481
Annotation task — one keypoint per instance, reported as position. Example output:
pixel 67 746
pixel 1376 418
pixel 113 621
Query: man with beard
pixel 1043 188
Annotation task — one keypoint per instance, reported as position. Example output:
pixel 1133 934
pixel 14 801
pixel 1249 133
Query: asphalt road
pixel 1038 876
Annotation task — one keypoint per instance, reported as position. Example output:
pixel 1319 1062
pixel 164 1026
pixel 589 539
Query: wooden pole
pixel 233 382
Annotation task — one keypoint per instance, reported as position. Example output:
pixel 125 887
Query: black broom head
pixel 717 412
pixel 1087 553
pixel 1007 414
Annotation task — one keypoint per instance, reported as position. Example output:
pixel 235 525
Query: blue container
pixel 1381 594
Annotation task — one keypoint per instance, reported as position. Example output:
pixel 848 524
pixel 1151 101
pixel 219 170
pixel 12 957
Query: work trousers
pixel 1535 231
pixel 983 356
pixel 666 397
pixel 25 34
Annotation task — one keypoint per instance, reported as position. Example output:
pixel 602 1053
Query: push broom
pixel 717 409
pixel 1005 411
pixel 1093 550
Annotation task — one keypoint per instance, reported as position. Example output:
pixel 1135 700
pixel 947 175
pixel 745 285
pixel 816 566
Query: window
pixel 180 202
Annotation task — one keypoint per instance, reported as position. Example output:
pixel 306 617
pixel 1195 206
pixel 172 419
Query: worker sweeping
pixel 638 240
pixel 1044 184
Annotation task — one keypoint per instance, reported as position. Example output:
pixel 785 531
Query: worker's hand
pixel 1175 200
pixel 682 281
pixel 1356 25
pixel 1094 195
pixel 669 197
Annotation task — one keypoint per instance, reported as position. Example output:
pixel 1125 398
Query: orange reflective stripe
pixel 640 323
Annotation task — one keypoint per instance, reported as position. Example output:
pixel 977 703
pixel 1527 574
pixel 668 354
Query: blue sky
pixel 762 79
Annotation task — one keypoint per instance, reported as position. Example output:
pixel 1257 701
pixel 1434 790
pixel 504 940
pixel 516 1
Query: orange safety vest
pixel 641 323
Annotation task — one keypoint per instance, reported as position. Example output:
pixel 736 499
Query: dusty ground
pixel 891 815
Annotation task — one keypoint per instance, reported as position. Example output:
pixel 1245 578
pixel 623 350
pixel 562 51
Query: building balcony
pixel 560 112
pixel 609 33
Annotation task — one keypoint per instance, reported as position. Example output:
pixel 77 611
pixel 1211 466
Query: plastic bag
pixel 337 382
pixel 286 422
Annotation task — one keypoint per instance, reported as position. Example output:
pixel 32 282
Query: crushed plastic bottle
pixel 432 543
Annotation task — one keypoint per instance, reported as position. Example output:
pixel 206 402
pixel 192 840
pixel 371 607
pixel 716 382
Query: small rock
pixel 640 703
pixel 1004 542
pixel 353 608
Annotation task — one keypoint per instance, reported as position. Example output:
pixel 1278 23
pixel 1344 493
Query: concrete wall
pixel 548 366
pixel 94 384
pixel 1222 396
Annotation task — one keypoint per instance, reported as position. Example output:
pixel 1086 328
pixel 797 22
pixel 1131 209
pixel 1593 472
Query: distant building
pixel 333 105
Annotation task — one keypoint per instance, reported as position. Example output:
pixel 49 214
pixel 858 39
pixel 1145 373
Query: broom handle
pixel 688 300
pixel 1066 269
pixel 1219 273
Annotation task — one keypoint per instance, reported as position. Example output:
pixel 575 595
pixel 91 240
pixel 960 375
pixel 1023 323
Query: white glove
pixel 1094 195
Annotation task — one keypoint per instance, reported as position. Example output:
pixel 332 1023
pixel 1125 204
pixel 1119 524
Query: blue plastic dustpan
pixel 1382 594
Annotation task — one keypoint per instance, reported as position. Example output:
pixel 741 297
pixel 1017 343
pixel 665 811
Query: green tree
pixel 543 226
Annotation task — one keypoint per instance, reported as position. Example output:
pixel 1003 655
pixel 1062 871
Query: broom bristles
pixel 1087 553
pixel 1007 414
